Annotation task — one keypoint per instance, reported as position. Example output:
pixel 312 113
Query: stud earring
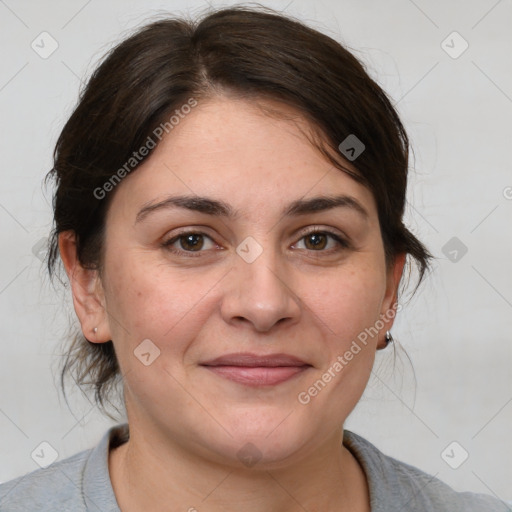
pixel 95 330
pixel 389 338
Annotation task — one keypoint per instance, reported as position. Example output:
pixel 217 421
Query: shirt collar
pixel 97 490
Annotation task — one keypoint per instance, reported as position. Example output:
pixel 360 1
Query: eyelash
pixel 343 244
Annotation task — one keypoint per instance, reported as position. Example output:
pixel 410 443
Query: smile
pixel 257 369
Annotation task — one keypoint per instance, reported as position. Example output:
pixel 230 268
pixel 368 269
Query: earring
pixel 95 330
pixel 389 338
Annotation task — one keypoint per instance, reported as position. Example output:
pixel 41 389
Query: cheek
pixel 153 302
pixel 347 301
pixel 344 307
pixel 168 308
pixel 349 306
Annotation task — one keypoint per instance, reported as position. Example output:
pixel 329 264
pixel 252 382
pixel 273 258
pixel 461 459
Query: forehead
pixel 251 154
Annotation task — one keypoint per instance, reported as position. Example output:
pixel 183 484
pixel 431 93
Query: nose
pixel 260 294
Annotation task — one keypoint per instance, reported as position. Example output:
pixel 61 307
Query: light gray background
pixel 457 329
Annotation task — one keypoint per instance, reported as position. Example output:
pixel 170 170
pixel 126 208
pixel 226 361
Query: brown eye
pixel 191 241
pixel 188 243
pixel 322 241
pixel 315 241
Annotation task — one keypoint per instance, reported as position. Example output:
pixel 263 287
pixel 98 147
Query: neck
pixel 149 473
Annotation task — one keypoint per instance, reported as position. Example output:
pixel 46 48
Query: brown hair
pixel 255 53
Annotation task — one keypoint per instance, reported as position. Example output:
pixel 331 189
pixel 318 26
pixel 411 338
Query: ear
pixel 389 304
pixel 87 290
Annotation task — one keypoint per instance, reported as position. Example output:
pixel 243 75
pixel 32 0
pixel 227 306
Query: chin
pixel 264 445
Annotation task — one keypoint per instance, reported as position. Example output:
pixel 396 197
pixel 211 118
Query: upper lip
pixel 255 360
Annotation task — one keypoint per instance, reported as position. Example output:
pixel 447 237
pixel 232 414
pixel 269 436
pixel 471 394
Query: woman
pixel 228 211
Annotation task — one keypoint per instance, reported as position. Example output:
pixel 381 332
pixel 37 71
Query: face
pixel 249 264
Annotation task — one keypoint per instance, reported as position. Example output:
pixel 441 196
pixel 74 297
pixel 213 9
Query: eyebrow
pixel 221 209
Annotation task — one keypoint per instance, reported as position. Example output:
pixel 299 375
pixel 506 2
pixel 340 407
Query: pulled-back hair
pixel 254 53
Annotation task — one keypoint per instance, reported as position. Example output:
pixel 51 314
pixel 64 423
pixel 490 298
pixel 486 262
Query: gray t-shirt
pixel 81 483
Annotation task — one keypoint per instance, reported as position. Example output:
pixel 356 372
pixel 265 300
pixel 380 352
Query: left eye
pixel 319 241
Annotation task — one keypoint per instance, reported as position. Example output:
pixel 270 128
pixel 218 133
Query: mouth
pixel 257 370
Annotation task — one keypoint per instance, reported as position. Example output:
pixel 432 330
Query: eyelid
pixel 169 242
pixel 339 237
pixel 322 229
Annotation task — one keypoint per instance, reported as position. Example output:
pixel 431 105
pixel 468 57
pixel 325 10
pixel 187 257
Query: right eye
pixel 189 242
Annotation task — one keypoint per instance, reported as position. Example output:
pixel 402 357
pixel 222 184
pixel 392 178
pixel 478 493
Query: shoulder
pixel 56 487
pixel 395 485
pixel 75 484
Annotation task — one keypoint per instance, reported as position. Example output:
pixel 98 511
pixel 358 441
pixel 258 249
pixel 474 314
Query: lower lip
pixel 259 375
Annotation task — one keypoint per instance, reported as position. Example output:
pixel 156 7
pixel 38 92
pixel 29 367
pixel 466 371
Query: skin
pixel 187 424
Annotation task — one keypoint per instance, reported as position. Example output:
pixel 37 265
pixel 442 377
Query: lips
pixel 255 369
pixel 253 360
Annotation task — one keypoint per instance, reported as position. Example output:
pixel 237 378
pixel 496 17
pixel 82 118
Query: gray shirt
pixel 81 483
